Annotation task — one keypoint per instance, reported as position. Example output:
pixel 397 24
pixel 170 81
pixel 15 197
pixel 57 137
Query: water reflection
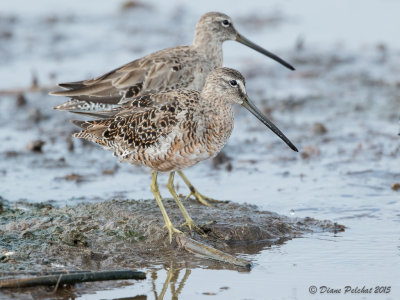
pixel 171 281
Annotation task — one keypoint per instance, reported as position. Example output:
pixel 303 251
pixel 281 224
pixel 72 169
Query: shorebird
pixel 171 131
pixel 182 67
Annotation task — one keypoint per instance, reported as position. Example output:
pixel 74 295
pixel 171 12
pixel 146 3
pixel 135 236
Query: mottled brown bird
pixel 182 67
pixel 171 131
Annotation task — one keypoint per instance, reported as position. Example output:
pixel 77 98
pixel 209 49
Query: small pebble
pixel 35 81
pixel 319 128
pixel 36 146
pixel 222 159
pixel 74 177
pixel 108 172
pixel 70 144
pixel 21 100
pixel 129 4
pixel 396 186
pixel 309 151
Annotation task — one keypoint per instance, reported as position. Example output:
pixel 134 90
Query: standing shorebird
pixel 170 131
pixel 183 67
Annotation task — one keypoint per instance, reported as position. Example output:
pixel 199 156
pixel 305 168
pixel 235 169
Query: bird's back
pixel 173 68
pixel 164 131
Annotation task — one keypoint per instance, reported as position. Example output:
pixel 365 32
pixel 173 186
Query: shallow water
pixel 347 78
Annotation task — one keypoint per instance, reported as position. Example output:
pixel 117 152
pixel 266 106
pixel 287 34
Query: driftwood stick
pixel 41 273
pixel 72 278
pixel 203 250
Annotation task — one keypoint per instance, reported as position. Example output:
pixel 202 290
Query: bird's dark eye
pixel 225 23
pixel 233 82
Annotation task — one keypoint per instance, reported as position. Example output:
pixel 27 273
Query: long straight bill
pixel 254 110
pixel 241 39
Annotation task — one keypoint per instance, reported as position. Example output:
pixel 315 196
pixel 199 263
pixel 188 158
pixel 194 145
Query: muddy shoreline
pixel 125 233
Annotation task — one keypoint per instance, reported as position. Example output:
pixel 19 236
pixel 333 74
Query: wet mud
pixel 130 234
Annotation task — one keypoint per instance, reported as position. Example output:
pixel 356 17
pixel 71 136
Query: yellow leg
pixel 183 281
pixel 170 274
pixel 157 195
pixel 193 191
pixel 189 222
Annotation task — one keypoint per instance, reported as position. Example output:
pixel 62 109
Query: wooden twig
pixel 203 250
pixel 41 273
pixel 58 283
pixel 77 277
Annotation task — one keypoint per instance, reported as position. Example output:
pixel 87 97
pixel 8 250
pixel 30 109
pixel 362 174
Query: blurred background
pixel 340 107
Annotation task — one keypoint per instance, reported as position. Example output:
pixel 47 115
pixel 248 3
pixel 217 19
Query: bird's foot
pixel 201 198
pixel 194 192
pixel 172 230
pixel 189 223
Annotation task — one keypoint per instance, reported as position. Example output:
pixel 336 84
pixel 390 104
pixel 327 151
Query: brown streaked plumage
pixel 183 67
pixel 170 131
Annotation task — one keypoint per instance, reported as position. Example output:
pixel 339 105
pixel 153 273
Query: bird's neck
pixel 216 104
pixel 210 47
pixel 218 123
